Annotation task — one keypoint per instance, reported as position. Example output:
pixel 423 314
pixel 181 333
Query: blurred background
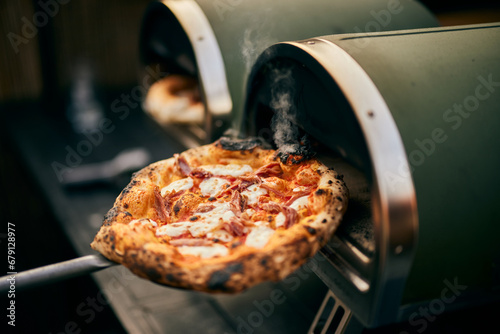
pixel 56 57
pixel 104 36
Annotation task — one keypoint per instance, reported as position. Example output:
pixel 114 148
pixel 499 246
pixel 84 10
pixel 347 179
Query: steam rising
pixel 283 122
pixel 256 38
pixel 286 132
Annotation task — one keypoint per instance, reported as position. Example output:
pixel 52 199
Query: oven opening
pixel 174 98
pixel 321 113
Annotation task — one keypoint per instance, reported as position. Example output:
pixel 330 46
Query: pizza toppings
pixel 272 169
pixel 291 216
pixel 237 203
pixel 233 199
pixel 182 165
pixel 211 220
pixel 271 207
pixel 232 195
pixel 213 186
pixel 161 206
pixel 205 208
pixel 253 193
pixel 235 227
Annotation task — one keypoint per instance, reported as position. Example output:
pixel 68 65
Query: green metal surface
pixel 245 28
pixel 442 87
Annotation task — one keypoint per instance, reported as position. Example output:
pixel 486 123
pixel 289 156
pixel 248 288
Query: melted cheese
pixel 174 229
pixel 227 170
pixel 221 235
pixel 179 185
pixel 300 203
pixel 259 236
pixel 279 220
pixel 250 212
pixel 212 186
pixel 204 251
pixel 299 188
pixel 211 220
pixel 206 222
pixel 253 193
pixel 261 223
pixel 201 228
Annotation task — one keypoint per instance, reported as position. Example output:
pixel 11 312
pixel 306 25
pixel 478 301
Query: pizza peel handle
pixel 54 272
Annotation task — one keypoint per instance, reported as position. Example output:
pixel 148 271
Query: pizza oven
pixel 217 43
pixel 410 118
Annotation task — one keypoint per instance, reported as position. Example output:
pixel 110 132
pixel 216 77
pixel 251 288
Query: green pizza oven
pixel 412 119
pixel 217 42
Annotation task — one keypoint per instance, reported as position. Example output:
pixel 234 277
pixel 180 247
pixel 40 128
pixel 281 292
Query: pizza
pixel 223 218
pixel 175 99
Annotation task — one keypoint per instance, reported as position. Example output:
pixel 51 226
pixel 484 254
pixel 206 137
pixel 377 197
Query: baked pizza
pixel 222 218
pixel 175 99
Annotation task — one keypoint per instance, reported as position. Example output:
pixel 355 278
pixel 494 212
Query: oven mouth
pixel 176 38
pixel 352 248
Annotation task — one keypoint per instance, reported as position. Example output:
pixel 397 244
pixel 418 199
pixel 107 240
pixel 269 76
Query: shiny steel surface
pixel 55 272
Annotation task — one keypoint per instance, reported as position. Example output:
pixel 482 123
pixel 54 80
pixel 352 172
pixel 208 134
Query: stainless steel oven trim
pixel 211 70
pixel 394 205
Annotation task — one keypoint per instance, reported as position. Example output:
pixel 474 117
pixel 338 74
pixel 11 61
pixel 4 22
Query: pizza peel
pixel 128 160
pixel 54 272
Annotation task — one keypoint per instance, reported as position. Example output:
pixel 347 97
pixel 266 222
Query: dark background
pixel 104 35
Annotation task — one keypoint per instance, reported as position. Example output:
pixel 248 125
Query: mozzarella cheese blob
pixel 177 186
pixel 253 193
pixel 279 220
pixel 300 203
pixel 209 224
pixel 227 170
pixel 174 229
pixel 212 186
pixel 211 220
pixel 259 236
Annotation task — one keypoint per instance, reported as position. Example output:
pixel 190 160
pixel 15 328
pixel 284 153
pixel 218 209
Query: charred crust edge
pixel 219 278
pixel 235 144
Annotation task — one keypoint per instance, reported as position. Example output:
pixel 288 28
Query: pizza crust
pixel 138 248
